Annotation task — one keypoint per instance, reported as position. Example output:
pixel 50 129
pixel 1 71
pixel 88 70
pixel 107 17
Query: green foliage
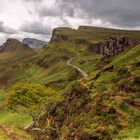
pixel 32 99
pixel 94 108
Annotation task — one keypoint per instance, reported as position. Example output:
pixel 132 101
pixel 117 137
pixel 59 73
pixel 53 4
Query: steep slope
pixel 99 106
pixel 12 57
pixel 102 105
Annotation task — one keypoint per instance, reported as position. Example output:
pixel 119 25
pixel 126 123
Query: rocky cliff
pixel 113 45
pixel 57 36
pixel 110 46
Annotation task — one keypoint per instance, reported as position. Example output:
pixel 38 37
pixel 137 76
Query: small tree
pixel 32 99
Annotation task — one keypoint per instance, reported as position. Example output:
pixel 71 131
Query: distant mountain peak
pixel 13 45
pixel 34 43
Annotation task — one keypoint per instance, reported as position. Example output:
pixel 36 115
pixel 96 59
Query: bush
pixel 32 99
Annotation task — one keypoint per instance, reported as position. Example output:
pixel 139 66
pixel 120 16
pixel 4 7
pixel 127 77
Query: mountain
pixel 97 72
pixel 13 45
pixel 34 43
pixel 12 54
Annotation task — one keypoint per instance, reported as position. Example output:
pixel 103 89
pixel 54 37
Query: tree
pixel 32 99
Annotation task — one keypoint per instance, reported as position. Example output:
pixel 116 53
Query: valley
pixel 96 71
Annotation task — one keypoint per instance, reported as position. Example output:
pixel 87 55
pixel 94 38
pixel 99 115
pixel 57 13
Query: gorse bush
pixel 32 99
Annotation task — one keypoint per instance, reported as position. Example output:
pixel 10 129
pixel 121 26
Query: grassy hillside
pixel 12 123
pixel 103 105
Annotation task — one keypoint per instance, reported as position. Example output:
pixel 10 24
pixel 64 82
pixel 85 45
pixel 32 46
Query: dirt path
pixel 78 69
pixel 8 132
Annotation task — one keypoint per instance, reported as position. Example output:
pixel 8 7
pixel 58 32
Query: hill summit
pixel 12 45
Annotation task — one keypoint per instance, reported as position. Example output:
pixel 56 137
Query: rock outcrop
pixel 113 45
pixel 57 36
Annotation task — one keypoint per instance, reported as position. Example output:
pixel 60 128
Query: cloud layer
pixel 37 18
pixel 6 29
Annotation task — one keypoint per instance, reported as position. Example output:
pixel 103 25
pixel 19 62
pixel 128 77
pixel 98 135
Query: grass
pixel 3 136
pixel 12 118
pixel 105 76
pixel 95 34
pixel 130 134
pixel 134 133
pixel 127 57
pixel 53 68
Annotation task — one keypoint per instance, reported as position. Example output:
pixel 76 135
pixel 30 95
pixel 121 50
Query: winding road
pixel 78 69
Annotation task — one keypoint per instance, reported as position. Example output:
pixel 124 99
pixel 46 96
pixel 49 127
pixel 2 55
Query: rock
pixel 57 36
pixel 112 46
pixel 97 47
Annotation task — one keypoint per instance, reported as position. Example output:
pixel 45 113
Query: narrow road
pixel 78 69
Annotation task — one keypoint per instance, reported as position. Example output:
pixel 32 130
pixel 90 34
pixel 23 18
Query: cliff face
pixel 113 46
pixel 57 36
pixel 110 46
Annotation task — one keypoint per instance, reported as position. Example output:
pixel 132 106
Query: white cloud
pixel 36 18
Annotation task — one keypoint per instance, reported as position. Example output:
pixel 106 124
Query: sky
pixel 37 18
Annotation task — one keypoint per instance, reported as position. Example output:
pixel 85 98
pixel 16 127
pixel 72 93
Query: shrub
pixel 32 99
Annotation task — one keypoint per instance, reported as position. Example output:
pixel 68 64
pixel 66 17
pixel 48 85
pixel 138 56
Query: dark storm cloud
pixel 121 13
pixel 124 13
pixel 49 11
pixel 36 28
pixel 58 9
pixel 39 17
pixel 6 29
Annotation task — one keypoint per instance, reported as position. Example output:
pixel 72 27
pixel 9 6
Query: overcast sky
pixel 37 18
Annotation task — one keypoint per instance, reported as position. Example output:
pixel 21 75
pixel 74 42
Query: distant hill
pixel 13 45
pixel 34 43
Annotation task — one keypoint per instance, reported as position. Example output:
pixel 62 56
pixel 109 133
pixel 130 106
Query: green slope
pixel 102 105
